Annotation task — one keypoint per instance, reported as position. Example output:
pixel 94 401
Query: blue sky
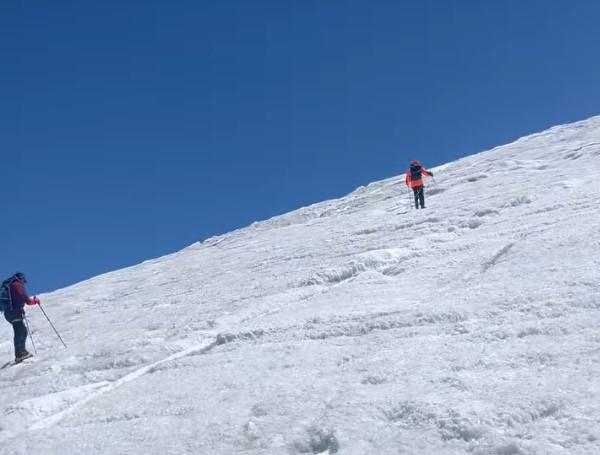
pixel 131 129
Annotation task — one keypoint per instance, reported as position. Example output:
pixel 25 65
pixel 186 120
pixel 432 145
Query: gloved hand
pixel 431 173
pixel 33 301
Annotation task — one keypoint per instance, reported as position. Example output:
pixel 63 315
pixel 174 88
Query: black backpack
pixel 5 300
pixel 415 171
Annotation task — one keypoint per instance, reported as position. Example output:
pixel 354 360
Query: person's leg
pixel 422 197
pixel 20 337
pixel 9 318
pixel 416 193
pixel 20 332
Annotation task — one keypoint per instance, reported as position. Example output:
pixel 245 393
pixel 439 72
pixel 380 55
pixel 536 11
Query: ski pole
pixel 29 331
pixel 52 325
pixel 410 201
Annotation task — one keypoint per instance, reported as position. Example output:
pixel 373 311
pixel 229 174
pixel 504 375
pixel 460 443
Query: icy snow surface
pixel 354 326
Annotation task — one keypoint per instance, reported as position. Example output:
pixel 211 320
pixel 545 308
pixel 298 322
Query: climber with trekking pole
pixel 414 180
pixel 13 298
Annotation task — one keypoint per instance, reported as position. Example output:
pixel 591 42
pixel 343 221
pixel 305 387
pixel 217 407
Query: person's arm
pixel 19 296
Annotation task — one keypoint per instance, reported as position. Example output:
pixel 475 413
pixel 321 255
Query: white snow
pixel 354 326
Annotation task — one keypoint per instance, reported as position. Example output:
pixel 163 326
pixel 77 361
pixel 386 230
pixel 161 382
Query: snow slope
pixel 353 326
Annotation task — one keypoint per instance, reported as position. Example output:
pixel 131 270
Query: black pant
pixel 419 197
pixel 20 332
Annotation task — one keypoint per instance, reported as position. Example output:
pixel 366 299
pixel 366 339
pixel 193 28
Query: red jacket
pixel 414 178
pixel 18 296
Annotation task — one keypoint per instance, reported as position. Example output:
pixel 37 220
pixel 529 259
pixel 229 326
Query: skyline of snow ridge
pixel 353 326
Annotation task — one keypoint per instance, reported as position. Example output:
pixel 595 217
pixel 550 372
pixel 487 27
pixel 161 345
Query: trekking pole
pixel 52 325
pixel 29 331
pixel 410 201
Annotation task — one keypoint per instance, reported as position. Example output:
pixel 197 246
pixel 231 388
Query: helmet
pixel 415 162
pixel 21 276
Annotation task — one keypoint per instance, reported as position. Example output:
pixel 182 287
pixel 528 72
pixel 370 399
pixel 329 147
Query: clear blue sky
pixel 131 129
